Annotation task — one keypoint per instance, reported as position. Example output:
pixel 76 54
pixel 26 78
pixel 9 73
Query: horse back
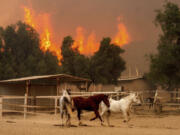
pixel 84 103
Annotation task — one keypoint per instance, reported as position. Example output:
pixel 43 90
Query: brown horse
pixel 90 104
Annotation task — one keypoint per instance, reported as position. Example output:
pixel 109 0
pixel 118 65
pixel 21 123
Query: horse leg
pixel 102 113
pixel 107 117
pixel 125 116
pixel 79 116
pixel 97 116
pixel 128 115
pixel 62 115
pixel 68 120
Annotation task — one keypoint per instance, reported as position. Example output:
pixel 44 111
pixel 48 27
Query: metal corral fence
pixel 49 104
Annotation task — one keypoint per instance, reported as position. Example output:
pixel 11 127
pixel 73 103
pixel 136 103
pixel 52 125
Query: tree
pixel 20 54
pixel 73 62
pixel 165 65
pixel 106 64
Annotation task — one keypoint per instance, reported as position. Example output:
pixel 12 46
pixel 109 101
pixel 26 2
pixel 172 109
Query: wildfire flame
pixel 122 37
pixel 42 25
pixel 91 46
pixel 86 46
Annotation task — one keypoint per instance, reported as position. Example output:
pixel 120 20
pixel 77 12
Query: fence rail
pixel 25 106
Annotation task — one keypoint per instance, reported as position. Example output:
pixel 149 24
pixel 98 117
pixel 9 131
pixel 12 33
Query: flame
pixel 79 40
pixel 89 46
pixel 29 17
pixel 41 23
pixel 122 37
pixel 85 45
pixel 92 45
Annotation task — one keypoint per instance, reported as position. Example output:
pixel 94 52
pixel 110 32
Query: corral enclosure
pixel 40 94
pixel 40 120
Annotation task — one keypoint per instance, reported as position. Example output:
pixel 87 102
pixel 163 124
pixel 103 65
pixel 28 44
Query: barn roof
pixel 65 77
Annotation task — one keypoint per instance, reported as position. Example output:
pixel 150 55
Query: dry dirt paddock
pixel 47 124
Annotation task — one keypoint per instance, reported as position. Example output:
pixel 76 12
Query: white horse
pixel 66 103
pixel 123 105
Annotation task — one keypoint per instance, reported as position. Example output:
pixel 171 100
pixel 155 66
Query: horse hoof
pixel 125 121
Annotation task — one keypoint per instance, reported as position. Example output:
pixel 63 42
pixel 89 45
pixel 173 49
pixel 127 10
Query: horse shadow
pixel 60 125
pixel 83 125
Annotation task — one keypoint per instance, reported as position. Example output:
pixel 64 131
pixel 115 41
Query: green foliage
pixel 165 66
pixel 107 64
pixel 20 54
pixel 73 62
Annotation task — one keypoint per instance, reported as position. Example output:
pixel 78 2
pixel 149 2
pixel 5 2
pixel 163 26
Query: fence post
pixel 55 106
pixel 1 107
pixel 25 105
pixel 34 103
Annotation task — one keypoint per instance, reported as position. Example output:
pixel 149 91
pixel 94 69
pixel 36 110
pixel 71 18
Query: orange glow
pixel 86 45
pixel 79 40
pixel 92 45
pixel 89 46
pixel 122 37
pixel 28 17
pixel 41 23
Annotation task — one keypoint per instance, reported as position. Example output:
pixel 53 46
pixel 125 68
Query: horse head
pixel 136 98
pixel 66 94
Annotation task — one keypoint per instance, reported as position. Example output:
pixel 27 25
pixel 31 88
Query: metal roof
pixel 68 78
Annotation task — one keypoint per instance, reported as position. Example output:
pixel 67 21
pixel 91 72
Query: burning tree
pixel 20 54
pixel 105 66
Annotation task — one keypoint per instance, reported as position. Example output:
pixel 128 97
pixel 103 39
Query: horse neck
pixel 98 99
pixel 129 99
pixel 65 94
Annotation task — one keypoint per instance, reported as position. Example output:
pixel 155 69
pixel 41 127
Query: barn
pixel 38 90
pixel 43 85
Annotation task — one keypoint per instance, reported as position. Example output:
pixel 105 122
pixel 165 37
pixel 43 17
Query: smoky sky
pixel 100 17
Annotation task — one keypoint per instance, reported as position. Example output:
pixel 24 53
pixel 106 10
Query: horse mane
pixel 128 96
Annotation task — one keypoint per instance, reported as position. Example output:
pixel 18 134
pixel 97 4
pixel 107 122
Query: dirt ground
pixel 49 124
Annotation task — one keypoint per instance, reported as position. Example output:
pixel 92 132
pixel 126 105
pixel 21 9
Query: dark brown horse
pixel 90 104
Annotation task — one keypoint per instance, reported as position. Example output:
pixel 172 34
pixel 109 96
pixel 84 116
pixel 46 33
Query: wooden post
pixel 57 86
pixel 55 106
pixel 176 95
pixel 26 98
pixel 57 93
pixel 1 108
pixel 34 102
pixel 27 87
pixel 86 86
pixel 25 105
